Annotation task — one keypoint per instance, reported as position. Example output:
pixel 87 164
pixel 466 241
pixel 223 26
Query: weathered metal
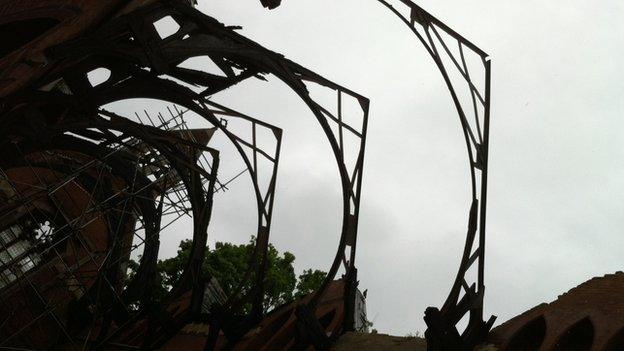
pixel 77 161
pixel 434 35
pixel 138 58
pixel 50 105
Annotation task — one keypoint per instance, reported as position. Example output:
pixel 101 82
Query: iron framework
pixel 437 39
pixel 59 138
pixel 142 64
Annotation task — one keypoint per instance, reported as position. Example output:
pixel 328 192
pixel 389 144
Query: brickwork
pixel 592 312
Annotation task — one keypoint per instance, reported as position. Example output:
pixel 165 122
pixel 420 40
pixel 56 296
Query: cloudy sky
pixel 556 166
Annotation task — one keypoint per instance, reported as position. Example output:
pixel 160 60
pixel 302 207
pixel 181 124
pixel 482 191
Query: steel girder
pixel 52 134
pixel 434 35
pixel 138 57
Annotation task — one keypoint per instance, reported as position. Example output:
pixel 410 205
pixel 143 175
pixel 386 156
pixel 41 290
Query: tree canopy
pixel 309 281
pixel 228 263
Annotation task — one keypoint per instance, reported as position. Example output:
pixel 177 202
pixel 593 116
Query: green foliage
pixel 309 281
pixel 280 279
pixel 228 263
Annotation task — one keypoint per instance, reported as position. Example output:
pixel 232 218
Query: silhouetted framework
pixel 85 190
pixel 466 72
pixel 82 194
pixel 137 175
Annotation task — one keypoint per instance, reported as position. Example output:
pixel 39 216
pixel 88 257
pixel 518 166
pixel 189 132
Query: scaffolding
pixel 77 214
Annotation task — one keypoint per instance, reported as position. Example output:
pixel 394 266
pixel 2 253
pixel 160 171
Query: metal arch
pixel 128 82
pixel 265 202
pixel 296 77
pixel 152 87
pixel 233 51
pixel 237 48
pixel 201 204
pixel 145 86
pixel 15 335
pixel 162 141
pixel 442 331
pixel 201 35
pixel 223 41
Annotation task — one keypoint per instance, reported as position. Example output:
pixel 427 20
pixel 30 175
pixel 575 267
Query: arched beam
pixel 434 35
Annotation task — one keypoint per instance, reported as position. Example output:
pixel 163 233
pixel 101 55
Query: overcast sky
pixel 555 212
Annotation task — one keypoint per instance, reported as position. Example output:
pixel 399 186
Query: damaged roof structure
pixel 83 189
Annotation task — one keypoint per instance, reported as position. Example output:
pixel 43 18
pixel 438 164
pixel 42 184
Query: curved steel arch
pixel 132 38
pixel 201 35
pixel 72 120
pixel 225 42
pixel 128 82
pixel 145 86
pixel 442 331
pixel 142 86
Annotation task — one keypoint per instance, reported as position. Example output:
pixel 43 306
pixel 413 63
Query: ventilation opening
pixel 617 342
pixel 166 27
pixel 578 338
pixel 530 337
pixel 16 34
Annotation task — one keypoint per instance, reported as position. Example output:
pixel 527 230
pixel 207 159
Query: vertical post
pixel 484 176
pixel 349 299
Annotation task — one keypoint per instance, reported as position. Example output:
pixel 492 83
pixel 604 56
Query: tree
pixel 309 281
pixel 228 263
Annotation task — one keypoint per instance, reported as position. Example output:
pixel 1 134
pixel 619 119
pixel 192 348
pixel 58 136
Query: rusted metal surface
pixel 29 27
pixel 95 199
pixel 127 176
pixel 276 331
pixel 63 108
pixel 451 53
